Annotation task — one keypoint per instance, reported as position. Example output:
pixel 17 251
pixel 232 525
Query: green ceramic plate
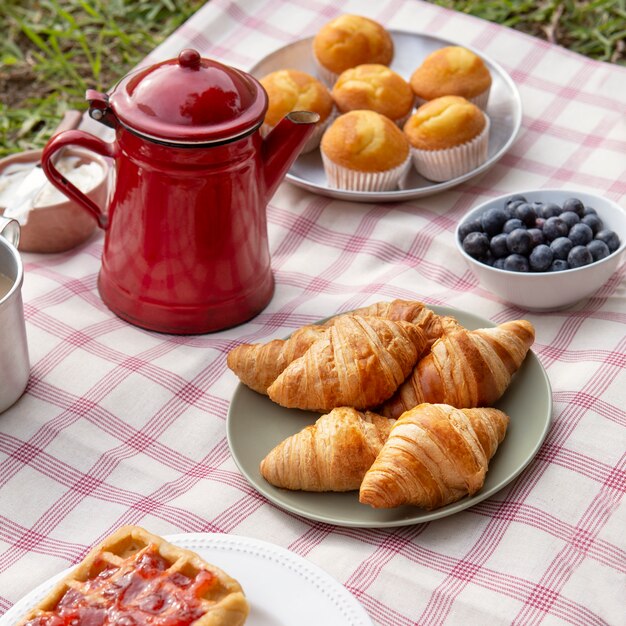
pixel 255 425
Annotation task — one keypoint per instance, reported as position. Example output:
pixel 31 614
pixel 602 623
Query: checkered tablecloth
pixel 119 425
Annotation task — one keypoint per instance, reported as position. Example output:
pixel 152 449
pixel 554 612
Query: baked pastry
pixel 350 40
pixel 331 455
pixel 364 151
pixel 449 137
pixel 452 71
pixel 258 365
pixel 377 88
pixel 465 368
pixel 170 585
pixel 435 455
pixel 359 363
pixel 413 311
pixel 293 90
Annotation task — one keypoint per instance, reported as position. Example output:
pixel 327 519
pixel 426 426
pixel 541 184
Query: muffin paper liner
pixel 441 165
pixel 340 177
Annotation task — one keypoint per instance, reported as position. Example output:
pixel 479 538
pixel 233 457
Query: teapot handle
pixel 84 140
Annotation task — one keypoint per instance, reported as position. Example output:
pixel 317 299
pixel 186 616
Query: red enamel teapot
pixel 185 246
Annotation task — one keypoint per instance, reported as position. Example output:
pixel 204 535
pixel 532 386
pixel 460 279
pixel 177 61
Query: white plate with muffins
pixel 503 116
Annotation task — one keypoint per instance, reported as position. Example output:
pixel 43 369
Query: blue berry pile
pixel 523 236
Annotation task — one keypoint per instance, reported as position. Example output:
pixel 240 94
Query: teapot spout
pixel 283 144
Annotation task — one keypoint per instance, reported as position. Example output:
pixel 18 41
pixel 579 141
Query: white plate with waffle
pixel 281 587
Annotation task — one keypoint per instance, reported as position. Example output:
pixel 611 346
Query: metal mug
pixel 14 361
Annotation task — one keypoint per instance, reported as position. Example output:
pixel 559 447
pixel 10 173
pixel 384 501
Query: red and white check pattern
pixel 122 426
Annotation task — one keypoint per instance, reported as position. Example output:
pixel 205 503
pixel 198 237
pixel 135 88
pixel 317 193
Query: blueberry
pixel 580 234
pixel 570 218
pixel 540 258
pixel 539 222
pixel 519 241
pixel 575 205
pixel 516 263
pixel 579 256
pixel 555 227
pixel 610 238
pixel 558 265
pixel 561 247
pixel 499 263
pixel 537 236
pixel 599 250
pixel 509 209
pixel 498 246
pixel 527 214
pixel 589 210
pixel 476 245
pixel 515 198
pixel 471 226
pixel 593 221
pixel 492 221
pixel 511 225
pixel 550 209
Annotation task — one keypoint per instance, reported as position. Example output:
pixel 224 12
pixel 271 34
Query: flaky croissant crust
pixel 465 368
pixel 435 455
pixel 331 455
pixel 359 363
pixel 258 365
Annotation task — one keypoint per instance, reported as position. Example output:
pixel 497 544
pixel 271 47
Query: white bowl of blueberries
pixel 543 249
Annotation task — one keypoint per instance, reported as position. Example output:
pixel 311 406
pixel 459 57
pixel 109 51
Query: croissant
pixel 465 368
pixel 258 365
pixel 331 455
pixel 435 455
pixel 412 311
pixel 359 363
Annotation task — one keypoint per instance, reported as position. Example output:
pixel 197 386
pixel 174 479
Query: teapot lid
pixel 189 100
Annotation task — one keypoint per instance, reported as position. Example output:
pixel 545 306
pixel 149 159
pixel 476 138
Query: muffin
pixel 364 151
pixel 452 71
pixel 293 90
pixel 347 41
pixel 449 137
pixel 374 87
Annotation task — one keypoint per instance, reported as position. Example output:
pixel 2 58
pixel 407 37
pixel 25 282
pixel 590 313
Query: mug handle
pixel 10 230
pixel 84 140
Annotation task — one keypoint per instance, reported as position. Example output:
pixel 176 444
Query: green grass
pixel 596 28
pixel 51 51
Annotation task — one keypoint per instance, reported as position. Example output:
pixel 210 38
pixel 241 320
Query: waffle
pixel 135 578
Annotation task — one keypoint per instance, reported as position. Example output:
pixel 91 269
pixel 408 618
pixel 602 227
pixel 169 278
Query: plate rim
pixel 446 511
pixel 405 194
pixel 287 556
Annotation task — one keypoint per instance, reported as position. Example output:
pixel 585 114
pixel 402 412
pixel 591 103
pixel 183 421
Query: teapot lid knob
pixel 189 58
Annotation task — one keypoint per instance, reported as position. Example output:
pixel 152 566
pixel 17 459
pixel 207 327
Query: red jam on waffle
pixel 139 592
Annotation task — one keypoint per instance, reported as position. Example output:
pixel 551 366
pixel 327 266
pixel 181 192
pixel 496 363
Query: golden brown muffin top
pixel 351 40
pixel 292 90
pixel 365 141
pixel 373 86
pixel 444 123
pixel 451 71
